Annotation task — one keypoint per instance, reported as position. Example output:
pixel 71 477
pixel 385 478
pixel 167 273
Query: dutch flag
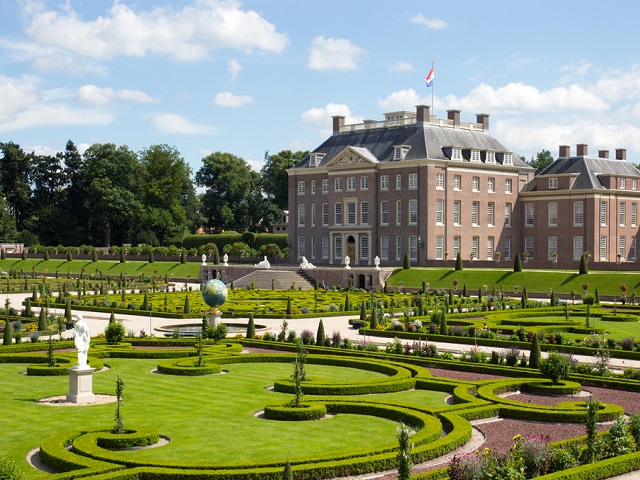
pixel 429 78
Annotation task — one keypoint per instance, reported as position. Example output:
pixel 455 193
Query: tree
pixel 67 311
pixel 374 317
pixel 517 263
pixel 444 328
pixel 404 453
pixel 273 176
pixel 591 426
pixel 42 320
pixel 347 303
pixel 584 269
pixel 112 318
pixel 406 264
pixel 459 262
pixel 363 311
pixel 7 338
pixel 541 161
pixel 289 307
pixel 320 335
pixel 119 426
pixel 14 181
pixel 556 366
pixel 287 474
pixel 534 355
pixel 251 327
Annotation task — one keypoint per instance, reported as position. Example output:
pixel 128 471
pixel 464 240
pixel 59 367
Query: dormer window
pixel 315 159
pixel 491 157
pixel 456 153
pixel 400 151
pixel 507 159
pixel 475 156
pixel 553 183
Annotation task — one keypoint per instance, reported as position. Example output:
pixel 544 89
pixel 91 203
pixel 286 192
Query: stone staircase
pixel 266 279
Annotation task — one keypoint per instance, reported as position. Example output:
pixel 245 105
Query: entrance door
pixel 351 248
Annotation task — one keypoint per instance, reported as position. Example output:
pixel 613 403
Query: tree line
pixel 111 195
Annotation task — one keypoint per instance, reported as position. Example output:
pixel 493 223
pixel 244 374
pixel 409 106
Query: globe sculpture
pixel 214 294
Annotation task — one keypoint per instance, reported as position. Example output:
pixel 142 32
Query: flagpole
pixel 432 89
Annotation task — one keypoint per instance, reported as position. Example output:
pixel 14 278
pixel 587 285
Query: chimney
pixel 422 113
pixel 565 151
pixel 483 119
pixel 454 115
pixel 603 153
pixel 621 153
pixel 582 150
pixel 338 121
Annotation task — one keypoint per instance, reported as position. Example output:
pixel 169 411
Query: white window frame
pixel 491 157
pixel 578 213
pixel 622 213
pixel 384 182
pixel 529 245
pixel 325 215
pixel 508 185
pixel 475 156
pixel 439 247
pixel 337 184
pixel 364 247
pixel 337 249
pixel 475 184
pixel 457 183
pixel 338 213
pixel 313 214
pixel 491 207
pixel 325 247
pixel 490 243
pixel 439 181
pixel 301 247
pixel 364 183
pixel 491 185
pixel 456 246
pixel 456 154
pixel 398 182
pixel 398 212
pixel 413 212
pixel 552 247
pixel 529 212
pixel 351 184
pixel 384 248
pixel 552 209
pixel 313 187
pixel 439 212
pixel 352 212
pixel 507 248
pixel 578 247
pixel 413 181
pixel 398 247
pixel 507 215
pixel 634 214
pixel 622 247
pixel 457 205
pixel 507 160
pixel 623 183
pixel 475 214
pixel 364 213
pixel 475 245
pixel 301 187
pixel 633 249
pixel 603 214
pixel 301 215
pixel 413 247
pixel 384 212
pixel 313 247
pixel 603 247
pixel 553 183
pixel 325 185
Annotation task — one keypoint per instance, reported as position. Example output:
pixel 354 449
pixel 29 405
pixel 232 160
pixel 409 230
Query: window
pixel 508 185
pixel 325 247
pixel 364 213
pixel 398 182
pixel 384 248
pixel 528 215
pixel 351 213
pixel 325 214
pixel 507 159
pixel 364 247
pixel 507 215
pixel 301 249
pixel 634 184
pixel 456 153
pixel 313 160
pixel 475 156
pixel 337 185
pixel 553 214
pixel 364 183
pixel 440 181
pixel 491 184
pixel 325 185
pixel 384 212
pixel 398 212
pixel 313 247
pixel 397 153
pixel 491 157
pixel 457 182
pixel 301 187
pixel 351 184
pixel 475 184
pixel 439 247
pixel 313 214
pixel 507 248
pixel 413 181
pixel 553 183
pixel 313 187
pixel 475 207
pixel 577 248
pixel 490 248
pixel 301 215
pixel 456 212
pixel 413 212
pixel 384 182
pixel 623 183
pixel 577 213
pixel 338 214
pixel 439 212
pixel 632 249
pixel 398 247
pixel 490 216
pixel 413 247
pixel 456 246
pixel 603 214
pixel 337 248
pixel 552 247
pixel 622 247
pixel 603 248
pixel 634 214
pixel 475 243
pixel 623 212
pixel 528 247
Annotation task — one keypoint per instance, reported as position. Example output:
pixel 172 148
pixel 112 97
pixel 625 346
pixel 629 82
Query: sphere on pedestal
pixel 214 293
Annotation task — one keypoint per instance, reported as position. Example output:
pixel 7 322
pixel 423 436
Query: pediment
pixel 352 157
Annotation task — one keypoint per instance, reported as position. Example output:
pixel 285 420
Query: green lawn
pixel 207 418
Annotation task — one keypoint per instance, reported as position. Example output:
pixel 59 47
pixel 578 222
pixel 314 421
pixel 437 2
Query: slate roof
pixel 426 141
pixel 588 170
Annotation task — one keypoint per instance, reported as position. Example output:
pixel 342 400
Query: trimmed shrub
pixel 320 335
pixel 583 270
pixel 517 263
pixel 459 262
pixel 251 327
pixel 114 333
pixel 406 263
pixel 534 356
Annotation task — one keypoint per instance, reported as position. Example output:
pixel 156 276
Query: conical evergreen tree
pixel 552 300
pixel 69 256
pixel 3 255
pixel 67 311
pixel 112 318
pixel 183 256
pixel 42 320
pixel 187 305
pixel 597 295
pixel 517 263
pixel 287 474
pixel 524 292
pixel 458 262
pixel 7 339
pixel 450 297
pixel 444 328
pixel 101 288
pixel 151 259
pixel 534 356
pixel 27 308
pixel 320 335
pixel 123 258
pixel 24 254
pixel 363 310
pixel 46 254
pixel 373 323
pixel 523 300
pixel 34 295
pixel 347 303
pixel 406 264
pixel 583 265
pixel 480 295
pixel 94 256
pixel 216 257
pixel 145 302
pixel 251 327
pixel 289 308
pixel 464 291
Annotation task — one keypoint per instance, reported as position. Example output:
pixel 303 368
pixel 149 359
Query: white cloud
pixel 187 34
pixel 41 150
pixel 403 100
pixel 17 96
pixel 234 69
pixel 228 99
pixel 320 118
pixel 432 23
pixel 617 86
pixel 55 114
pixel 97 95
pixel 401 67
pixel 333 54
pixel 177 124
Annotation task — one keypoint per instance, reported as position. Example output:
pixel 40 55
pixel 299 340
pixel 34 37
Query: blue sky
pixel 246 77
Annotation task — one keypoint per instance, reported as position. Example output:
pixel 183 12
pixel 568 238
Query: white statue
pixel 306 264
pixel 376 262
pixel 264 263
pixel 204 260
pixel 82 339
pixel 347 261
pixel 225 259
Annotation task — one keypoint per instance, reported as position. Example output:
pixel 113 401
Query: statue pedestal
pixel 214 318
pixel 80 384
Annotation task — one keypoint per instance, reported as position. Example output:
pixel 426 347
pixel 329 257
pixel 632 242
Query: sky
pixel 267 75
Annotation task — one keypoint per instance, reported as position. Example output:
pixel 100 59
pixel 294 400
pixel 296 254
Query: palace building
pixel 431 187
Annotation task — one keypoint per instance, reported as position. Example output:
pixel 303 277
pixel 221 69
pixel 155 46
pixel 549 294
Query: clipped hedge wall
pixel 306 411
pixel 549 388
pixel 188 367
